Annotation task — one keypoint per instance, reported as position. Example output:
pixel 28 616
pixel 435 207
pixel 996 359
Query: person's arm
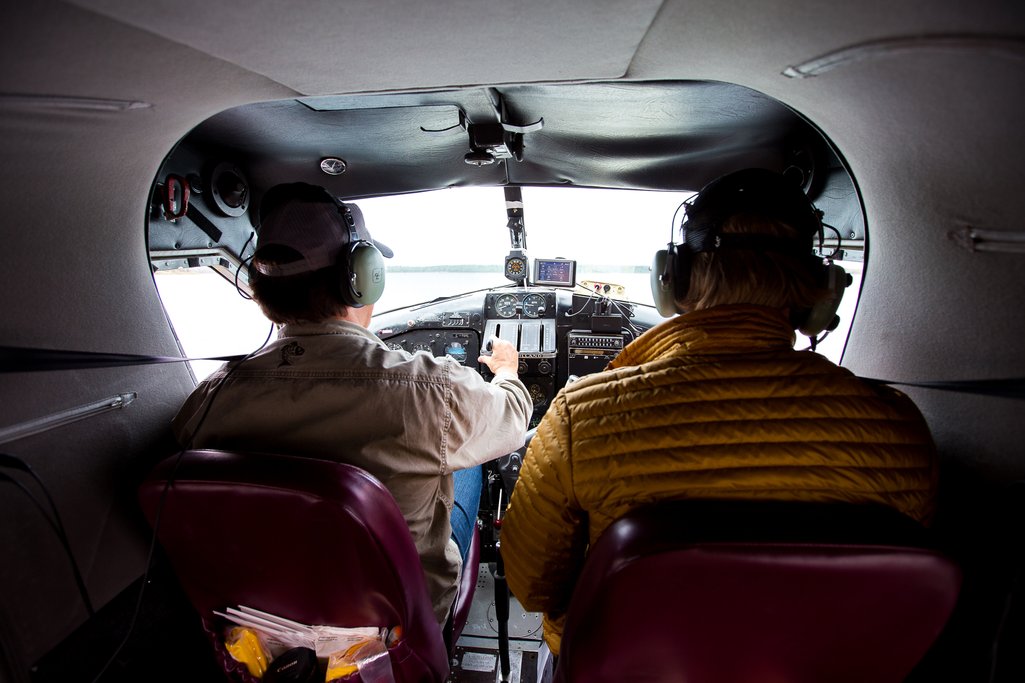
pixel 544 534
pixel 488 419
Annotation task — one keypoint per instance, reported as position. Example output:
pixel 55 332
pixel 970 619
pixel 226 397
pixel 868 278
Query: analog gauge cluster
pixel 462 346
pixel 522 305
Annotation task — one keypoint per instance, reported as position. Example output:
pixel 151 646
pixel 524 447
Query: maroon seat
pixel 773 592
pixel 311 540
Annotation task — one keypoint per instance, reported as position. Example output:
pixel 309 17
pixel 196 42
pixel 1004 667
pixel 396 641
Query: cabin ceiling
pixel 363 45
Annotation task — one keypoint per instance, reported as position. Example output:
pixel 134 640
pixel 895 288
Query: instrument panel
pixel 462 346
pixel 558 333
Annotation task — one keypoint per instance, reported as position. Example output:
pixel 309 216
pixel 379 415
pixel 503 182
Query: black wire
pixel 55 524
pixel 839 242
pixel 1012 589
pixel 163 497
pixel 244 262
pixel 672 228
pixel 592 298
pixel 145 576
pixel 596 297
pixel 626 317
pixel 815 341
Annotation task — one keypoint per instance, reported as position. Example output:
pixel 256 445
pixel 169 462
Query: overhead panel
pixel 664 135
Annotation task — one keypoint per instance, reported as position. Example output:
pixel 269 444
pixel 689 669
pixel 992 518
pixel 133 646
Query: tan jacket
pixel 713 404
pixel 335 391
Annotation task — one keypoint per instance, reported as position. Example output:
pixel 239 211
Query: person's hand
pixel 503 357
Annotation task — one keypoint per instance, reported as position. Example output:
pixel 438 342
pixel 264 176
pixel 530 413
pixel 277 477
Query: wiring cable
pixel 839 243
pixel 626 317
pixel 56 525
pixel 595 297
pixel 163 498
pixel 1013 589
pixel 244 262
pixel 583 307
pixel 813 342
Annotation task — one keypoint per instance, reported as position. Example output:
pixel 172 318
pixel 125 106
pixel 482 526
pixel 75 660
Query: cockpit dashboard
pixel 560 333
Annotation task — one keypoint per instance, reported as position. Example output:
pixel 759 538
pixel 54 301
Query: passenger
pixel 329 388
pixel 713 404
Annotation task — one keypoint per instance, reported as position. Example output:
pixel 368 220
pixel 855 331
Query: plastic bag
pixel 368 657
pixel 244 646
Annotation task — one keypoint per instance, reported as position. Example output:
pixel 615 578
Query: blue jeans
pixel 466 503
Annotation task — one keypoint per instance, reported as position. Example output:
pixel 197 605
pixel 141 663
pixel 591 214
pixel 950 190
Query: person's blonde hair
pixel 759 276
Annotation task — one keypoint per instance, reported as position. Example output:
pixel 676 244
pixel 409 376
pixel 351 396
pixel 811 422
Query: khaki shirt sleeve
pixel 486 419
pixel 190 416
pixel 544 535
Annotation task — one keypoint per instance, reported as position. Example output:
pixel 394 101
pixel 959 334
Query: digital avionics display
pixel 558 272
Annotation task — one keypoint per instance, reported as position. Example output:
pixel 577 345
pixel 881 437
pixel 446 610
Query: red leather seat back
pixel 464 596
pixel 311 540
pixel 652 604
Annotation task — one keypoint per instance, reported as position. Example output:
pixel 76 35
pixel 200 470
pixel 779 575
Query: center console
pixel 526 319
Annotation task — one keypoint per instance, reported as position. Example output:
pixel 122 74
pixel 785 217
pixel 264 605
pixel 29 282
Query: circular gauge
pixel 533 305
pixel 537 394
pixel 456 350
pixel 505 306
pixel 394 346
pixel 422 346
pixel 515 268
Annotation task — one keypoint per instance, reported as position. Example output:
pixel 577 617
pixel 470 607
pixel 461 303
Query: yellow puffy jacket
pixel 712 404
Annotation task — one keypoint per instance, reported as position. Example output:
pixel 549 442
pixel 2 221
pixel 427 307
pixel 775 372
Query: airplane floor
pixel 476 657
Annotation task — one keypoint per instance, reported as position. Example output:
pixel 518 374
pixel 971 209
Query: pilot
pixel 329 388
pixel 715 403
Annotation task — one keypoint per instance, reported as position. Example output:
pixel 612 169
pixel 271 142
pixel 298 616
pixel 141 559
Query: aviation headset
pixel 362 265
pixel 762 193
pixel 360 260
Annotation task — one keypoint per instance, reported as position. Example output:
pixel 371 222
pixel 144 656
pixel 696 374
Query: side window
pixel 209 315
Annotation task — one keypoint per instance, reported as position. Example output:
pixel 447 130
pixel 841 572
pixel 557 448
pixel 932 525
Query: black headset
pixel 362 265
pixel 754 191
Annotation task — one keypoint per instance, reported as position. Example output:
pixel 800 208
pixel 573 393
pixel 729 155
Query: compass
pixel 516 267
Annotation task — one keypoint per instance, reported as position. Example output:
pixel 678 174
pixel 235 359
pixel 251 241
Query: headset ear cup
pixel 663 282
pixel 822 315
pixel 366 275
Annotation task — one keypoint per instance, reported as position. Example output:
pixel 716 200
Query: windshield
pixel 455 240
pixel 449 242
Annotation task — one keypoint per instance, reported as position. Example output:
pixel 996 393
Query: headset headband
pixel 756 192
